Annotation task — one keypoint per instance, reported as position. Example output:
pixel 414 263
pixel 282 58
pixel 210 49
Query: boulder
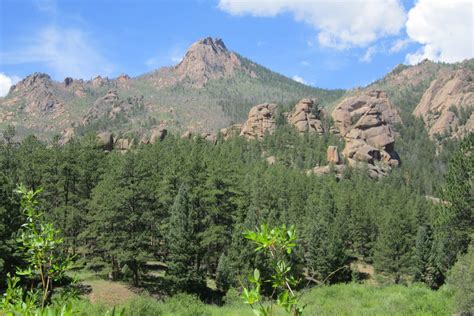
pixel 366 123
pixel 261 120
pixel 68 81
pixel 333 155
pixel 338 170
pixel 271 160
pixel 66 135
pixel 229 132
pixel 186 134
pixel 98 82
pixel 123 144
pixel 211 137
pixel 306 117
pixel 158 133
pixel 106 140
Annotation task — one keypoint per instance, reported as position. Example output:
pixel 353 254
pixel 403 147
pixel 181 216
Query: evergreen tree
pixel 183 247
pixel 325 254
pixel 122 208
pixel 424 265
pixel 392 253
pixel 456 219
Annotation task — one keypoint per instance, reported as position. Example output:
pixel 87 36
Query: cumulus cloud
pixel 6 82
pixel 64 51
pixel 298 79
pixel 444 28
pixel 340 24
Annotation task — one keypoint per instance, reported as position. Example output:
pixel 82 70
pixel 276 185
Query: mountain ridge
pixel 211 88
pixel 208 90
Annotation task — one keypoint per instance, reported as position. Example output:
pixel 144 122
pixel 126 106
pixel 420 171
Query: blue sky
pixel 326 44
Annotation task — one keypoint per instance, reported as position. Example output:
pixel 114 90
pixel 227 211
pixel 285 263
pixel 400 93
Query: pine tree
pixel 120 214
pixel 424 265
pixel 392 253
pixel 325 254
pixel 184 270
pixel 456 219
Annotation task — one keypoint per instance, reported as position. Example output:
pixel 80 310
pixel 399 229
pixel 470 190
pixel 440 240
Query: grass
pixel 341 299
pixel 109 293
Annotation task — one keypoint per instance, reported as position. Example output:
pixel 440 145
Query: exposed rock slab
pixel 261 120
pixel 306 117
pixel 366 123
pixel 332 155
pixel 447 106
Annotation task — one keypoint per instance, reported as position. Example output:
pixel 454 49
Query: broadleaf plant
pixel 278 242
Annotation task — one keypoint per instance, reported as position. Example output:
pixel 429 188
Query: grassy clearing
pixel 109 293
pixel 341 299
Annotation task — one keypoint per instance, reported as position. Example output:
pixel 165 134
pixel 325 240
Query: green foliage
pixel 461 280
pixel 183 269
pixel 40 246
pixel 326 259
pixel 392 253
pixel 455 220
pixel 424 265
pixel 279 243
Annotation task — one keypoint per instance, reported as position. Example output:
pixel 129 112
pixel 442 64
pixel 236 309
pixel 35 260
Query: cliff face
pixel 447 106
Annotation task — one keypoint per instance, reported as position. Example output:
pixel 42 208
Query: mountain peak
pixel 207 59
pixel 217 44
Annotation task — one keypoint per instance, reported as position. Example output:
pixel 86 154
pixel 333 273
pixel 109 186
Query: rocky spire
pixel 207 59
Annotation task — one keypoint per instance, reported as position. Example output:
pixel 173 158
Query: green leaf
pixel 256 274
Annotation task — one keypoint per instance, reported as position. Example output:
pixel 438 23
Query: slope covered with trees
pixel 186 202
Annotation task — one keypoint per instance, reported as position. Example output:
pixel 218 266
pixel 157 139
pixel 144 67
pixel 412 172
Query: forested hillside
pixel 182 205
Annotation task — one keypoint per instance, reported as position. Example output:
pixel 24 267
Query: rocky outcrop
pixel 366 124
pixel 39 96
pixel 158 134
pixel 337 170
pixel 111 106
pixel 123 144
pixel 98 82
pixel 447 106
pixel 306 117
pixel 105 140
pixel 66 135
pixel 261 120
pixel 68 81
pixel 229 132
pixel 332 155
pixel 205 60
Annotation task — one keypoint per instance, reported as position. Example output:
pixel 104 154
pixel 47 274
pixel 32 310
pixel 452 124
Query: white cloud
pixel 64 51
pixel 298 79
pixel 6 82
pixel 305 63
pixel 369 53
pixel 444 28
pixel 399 44
pixel 340 24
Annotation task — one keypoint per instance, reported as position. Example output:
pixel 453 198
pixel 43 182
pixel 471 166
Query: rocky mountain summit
pixel 205 60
